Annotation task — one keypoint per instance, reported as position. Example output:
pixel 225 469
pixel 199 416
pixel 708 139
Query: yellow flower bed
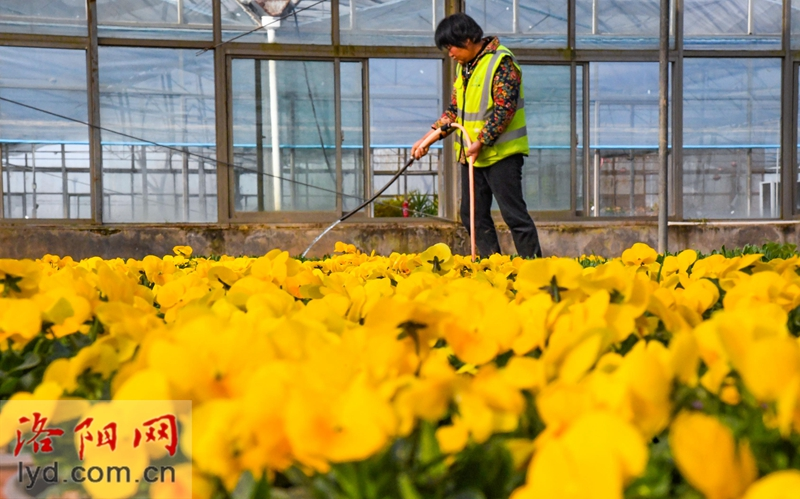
pixel 594 378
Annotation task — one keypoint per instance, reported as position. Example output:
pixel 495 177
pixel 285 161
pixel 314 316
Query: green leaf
pixel 31 360
pixel 95 330
pixel 29 381
pixel 261 489
pixel 9 358
pixel 347 478
pixel 469 494
pixel 245 487
pixel 8 386
pixel 406 487
pixel 428 445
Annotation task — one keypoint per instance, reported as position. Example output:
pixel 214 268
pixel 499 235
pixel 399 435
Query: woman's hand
pixel 417 151
pixel 474 150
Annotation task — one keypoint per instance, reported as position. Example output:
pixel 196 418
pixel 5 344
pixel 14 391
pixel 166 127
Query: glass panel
pixel 732 24
pixel 403 22
pixel 617 24
pixel 166 97
pixel 731 138
pixel 546 177
pixel 353 135
pixel 284 21
pixel 405 98
pixel 283 128
pixel 522 24
pixel 44 159
pixel 623 166
pixel 163 19
pixel 44 17
pixel 795 23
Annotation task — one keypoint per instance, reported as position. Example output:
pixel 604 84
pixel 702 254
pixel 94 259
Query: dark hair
pixel 455 30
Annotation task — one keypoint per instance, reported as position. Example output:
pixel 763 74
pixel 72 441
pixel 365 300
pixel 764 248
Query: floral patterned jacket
pixel 505 93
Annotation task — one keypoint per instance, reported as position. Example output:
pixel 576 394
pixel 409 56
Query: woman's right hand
pixel 417 151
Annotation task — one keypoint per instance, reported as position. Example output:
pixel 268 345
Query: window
pixel 404 22
pixel 43 17
pixel 44 158
pixel 284 129
pixel 618 24
pixel 405 99
pixel 732 24
pixel 303 21
pixel 623 124
pixel 161 166
pixel 731 135
pixel 547 178
pixel 797 163
pixel 184 19
pixel 795 23
pixel 520 23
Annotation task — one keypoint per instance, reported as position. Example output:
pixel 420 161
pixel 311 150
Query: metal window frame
pixel 281 216
pixel 448 176
pixel 789 96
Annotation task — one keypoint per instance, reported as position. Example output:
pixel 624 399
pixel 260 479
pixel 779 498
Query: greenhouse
pixel 238 262
pixel 268 111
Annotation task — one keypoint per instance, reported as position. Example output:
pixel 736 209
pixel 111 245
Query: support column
pixel 663 123
pixel 274 125
pixel 367 137
pixel 337 135
pixel 95 137
pixel 185 181
pixel 225 169
pixel 35 202
pixel 676 196
pixel 259 137
pixel 145 190
pixel 64 182
pixel 788 152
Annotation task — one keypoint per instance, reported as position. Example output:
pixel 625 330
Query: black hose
pixel 402 170
pixel 344 217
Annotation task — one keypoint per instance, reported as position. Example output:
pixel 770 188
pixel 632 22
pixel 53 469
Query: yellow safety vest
pixel 476 106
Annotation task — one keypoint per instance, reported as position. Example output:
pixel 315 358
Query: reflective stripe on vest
pixel 478 106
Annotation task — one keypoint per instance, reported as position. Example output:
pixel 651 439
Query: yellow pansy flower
pixel 709 458
pixel 639 254
pixel 778 485
pixel 596 457
pixel 20 321
pixel 558 276
pixel 185 251
pixel 437 259
pixel 20 278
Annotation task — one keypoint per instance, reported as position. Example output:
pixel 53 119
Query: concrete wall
pixel 567 239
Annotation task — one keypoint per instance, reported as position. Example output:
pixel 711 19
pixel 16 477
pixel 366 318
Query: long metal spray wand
pixel 430 139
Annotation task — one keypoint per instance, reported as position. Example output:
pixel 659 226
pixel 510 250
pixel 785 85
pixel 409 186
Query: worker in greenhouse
pixel 486 94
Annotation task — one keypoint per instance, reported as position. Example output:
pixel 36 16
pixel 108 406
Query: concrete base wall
pixel 558 238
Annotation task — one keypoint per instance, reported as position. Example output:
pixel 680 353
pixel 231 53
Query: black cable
pixel 344 217
pixel 444 129
pixel 313 106
pixel 206 158
pixel 201 52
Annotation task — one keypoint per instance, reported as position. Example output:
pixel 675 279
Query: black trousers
pixel 503 180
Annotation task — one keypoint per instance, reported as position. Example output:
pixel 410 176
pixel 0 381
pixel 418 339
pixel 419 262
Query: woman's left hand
pixel 474 150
